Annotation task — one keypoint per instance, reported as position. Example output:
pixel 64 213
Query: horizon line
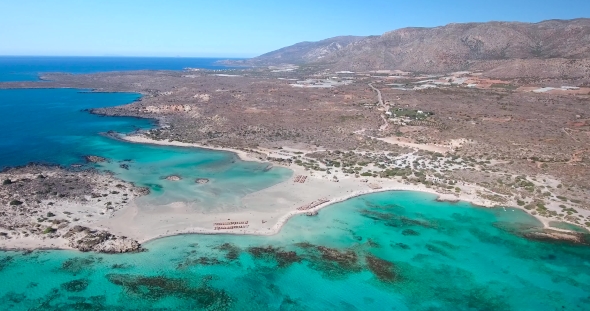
pixel 127 56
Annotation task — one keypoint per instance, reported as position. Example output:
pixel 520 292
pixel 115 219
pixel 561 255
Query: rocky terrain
pixel 552 48
pixel 59 207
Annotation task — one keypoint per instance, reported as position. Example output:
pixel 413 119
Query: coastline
pixel 285 208
pixel 266 210
pixel 140 139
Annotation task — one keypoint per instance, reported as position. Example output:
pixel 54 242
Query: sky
pixel 223 28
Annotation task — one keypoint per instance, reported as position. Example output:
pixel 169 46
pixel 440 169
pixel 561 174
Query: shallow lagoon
pixel 386 251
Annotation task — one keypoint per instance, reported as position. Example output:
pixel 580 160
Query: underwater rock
pixel 161 287
pixel 402 245
pixel 283 258
pixel 438 250
pixel 77 264
pixel 382 269
pixel 407 232
pixel 201 261
pixel 372 243
pixel 95 159
pixel 173 178
pixel 124 166
pixel 5 261
pixel 75 285
pixel 347 258
pixel 201 180
pixel 232 251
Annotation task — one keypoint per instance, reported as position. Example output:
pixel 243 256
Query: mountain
pixel 546 45
pixel 307 52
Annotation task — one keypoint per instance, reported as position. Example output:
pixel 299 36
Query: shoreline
pixel 141 139
pixel 472 199
pixel 278 202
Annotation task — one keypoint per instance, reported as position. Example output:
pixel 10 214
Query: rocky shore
pixel 49 206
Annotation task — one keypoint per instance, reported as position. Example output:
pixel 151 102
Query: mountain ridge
pixel 455 46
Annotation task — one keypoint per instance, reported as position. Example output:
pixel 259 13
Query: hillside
pixel 548 46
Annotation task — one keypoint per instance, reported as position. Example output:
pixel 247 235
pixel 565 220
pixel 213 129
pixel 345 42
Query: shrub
pixel 50 214
pixel 49 230
pixel 7 182
pixel 15 202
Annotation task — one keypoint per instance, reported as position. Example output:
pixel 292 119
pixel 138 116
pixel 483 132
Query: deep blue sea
pixel 28 68
pixel 387 251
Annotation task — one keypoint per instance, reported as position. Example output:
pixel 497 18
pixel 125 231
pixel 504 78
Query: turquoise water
pixel 51 126
pixel 28 68
pixel 387 251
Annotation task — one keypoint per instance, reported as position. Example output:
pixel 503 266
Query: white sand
pixel 266 211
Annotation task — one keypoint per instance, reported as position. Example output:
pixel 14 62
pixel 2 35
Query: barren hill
pixel 546 48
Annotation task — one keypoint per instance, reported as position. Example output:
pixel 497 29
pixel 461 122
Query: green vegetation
pixel 15 202
pixel 7 182
pixel 49 230
pixel 409 113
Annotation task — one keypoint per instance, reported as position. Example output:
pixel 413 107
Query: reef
pixel 75 285
pixel 77 264
pixel 397 221
pixel 281 257
pixel 232 251
pixel 202 261
pixel 160 287
pixel 382 269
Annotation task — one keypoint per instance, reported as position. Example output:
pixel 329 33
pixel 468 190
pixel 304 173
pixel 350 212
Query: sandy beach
pixel 265 211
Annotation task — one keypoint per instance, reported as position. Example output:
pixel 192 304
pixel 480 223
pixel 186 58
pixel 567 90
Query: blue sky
pixel 235 28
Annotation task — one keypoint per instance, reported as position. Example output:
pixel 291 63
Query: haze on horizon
pixel 226 29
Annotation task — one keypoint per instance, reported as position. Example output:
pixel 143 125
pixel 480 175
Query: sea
pixel 396 250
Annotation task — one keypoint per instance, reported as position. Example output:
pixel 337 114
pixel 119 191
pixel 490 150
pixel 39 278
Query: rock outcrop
pixel 95 159
pixel 86 240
